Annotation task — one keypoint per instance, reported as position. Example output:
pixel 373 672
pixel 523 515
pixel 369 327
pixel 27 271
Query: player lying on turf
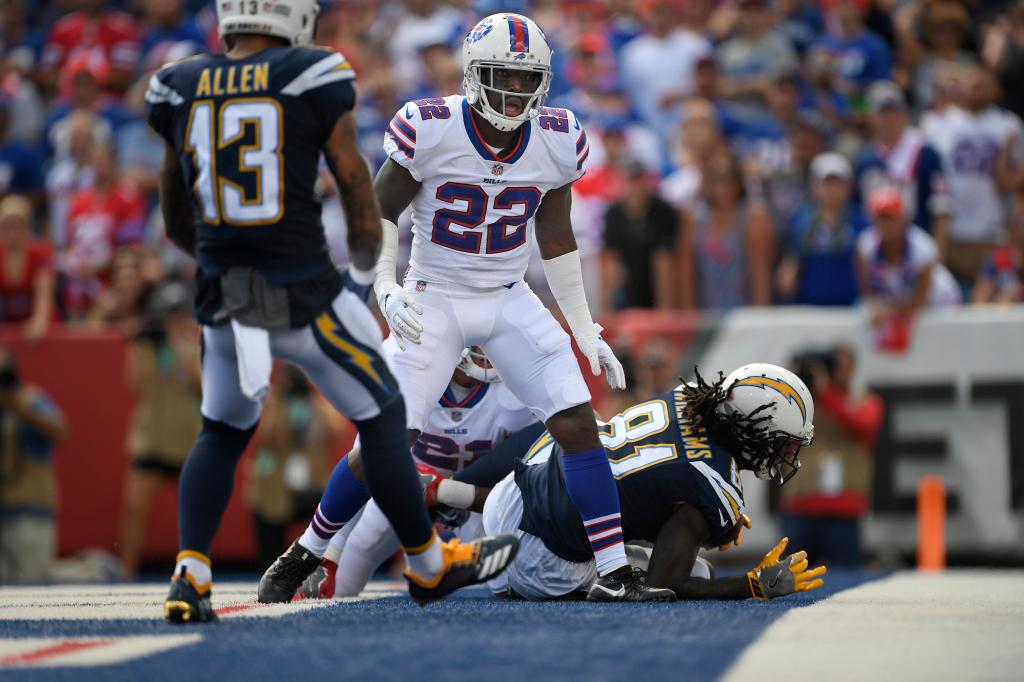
pixel 676 460
pixel 476 412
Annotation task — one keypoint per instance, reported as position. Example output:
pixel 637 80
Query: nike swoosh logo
pixel 773 583
pixel 408 114
pixel 577 124
pixel 621 592
pixel 721 517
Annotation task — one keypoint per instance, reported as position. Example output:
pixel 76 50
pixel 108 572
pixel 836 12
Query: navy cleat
pixel 627 584
pixel 187 602
pixel 465 564
pixel 285 575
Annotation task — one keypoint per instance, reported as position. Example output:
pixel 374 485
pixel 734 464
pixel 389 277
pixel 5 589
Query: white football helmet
pixel 763 390
pixel 293 20
pixel 506 42
pixel 474 363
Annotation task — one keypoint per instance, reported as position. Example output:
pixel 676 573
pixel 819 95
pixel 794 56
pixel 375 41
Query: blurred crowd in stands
pixel 744 152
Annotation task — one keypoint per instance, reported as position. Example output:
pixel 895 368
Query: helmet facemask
pixel 771 455
pixel 486 81
pixel 784 461
pixel 474 363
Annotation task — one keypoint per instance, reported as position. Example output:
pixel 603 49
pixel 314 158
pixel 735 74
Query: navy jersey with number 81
pixel 659 460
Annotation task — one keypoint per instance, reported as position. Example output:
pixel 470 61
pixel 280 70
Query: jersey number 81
pixel 215 139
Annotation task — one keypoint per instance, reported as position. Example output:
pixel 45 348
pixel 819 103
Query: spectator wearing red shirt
pixel 26 273
pixel 823 506
pixel 104 35
pixel 101 218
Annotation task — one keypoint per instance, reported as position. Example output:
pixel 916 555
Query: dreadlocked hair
pixel 742 433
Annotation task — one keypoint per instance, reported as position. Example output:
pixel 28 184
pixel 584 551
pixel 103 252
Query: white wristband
pixel 385 271
pixel 456 494
pixel 565 277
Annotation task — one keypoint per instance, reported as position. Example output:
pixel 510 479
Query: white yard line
pixel 957 625
pixel 51 652
pixel 119 602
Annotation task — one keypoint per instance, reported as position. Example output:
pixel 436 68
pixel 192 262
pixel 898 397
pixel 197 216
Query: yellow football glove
pixel 744 522
pixel 775 577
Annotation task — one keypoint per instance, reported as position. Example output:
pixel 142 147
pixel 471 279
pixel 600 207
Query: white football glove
pixel 398 305
pixel 599 354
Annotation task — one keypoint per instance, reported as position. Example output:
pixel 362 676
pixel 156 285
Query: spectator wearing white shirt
pixel 898 263
pixel 658 67
pixel 980 146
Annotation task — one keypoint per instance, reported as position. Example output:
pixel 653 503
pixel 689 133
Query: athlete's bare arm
pixel 395 188
pixel 354 185
pixel 553 226
pixel 175 203
pixel 675 552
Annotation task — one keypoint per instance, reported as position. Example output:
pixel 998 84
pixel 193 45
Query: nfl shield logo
pixel 497 169
pixel 456 415
pixel 421 286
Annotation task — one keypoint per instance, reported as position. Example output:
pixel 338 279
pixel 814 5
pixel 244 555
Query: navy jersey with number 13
pixel 659 459
pixel 248 133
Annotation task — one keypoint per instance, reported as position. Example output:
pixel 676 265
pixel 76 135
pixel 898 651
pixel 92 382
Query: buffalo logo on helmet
pixel 479 31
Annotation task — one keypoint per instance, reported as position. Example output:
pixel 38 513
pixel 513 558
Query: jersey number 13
pixel 215 137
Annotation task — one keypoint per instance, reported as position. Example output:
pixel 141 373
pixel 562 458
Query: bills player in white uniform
pixel 483 172
pixel 476 412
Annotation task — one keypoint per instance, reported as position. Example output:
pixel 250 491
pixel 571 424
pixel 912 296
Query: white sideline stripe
pixel 108 650
pixel 145 602
pixel 956 625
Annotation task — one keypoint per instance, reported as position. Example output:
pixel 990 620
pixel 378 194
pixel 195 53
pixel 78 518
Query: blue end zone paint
pixel 470 637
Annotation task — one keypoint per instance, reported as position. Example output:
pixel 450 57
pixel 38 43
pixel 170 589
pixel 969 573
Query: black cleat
pixel 627 584
pixel 187 604
pixel 465 564
pixel 283 578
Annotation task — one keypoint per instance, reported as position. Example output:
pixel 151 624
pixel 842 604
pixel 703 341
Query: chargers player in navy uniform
pixel 244 134
pixel 676 460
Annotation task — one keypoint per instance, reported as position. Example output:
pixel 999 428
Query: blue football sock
pixel 591 486
pixel 206 482
pixel 344 496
